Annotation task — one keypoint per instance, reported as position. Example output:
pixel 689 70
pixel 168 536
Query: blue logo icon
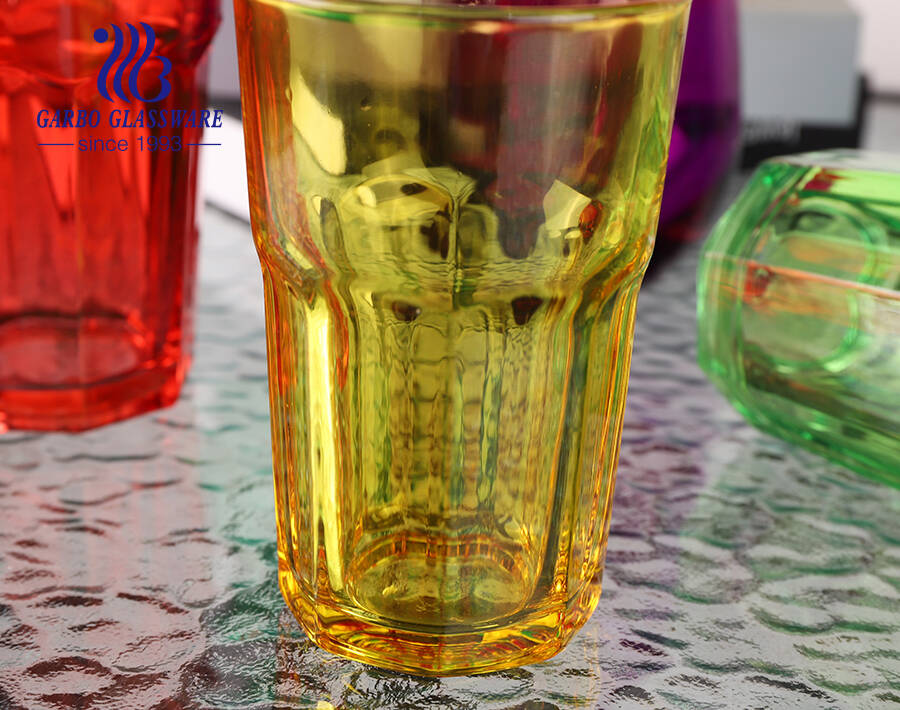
pixel 101 35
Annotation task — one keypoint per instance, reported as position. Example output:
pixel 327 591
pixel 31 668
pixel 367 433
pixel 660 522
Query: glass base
pixel 65 373
pixel 452 650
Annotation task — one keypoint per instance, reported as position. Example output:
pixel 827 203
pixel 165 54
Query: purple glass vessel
pixel 707 120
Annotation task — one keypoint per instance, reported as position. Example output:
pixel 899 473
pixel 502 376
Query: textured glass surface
pixel 98 247
pixel 800 306
pixel 453 215
pixel 138 566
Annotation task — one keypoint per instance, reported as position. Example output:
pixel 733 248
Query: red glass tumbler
pixel 98 236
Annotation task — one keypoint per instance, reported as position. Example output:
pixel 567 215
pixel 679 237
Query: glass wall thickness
pixel 453 208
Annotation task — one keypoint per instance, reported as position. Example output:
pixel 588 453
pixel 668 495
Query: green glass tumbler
pixel 799 306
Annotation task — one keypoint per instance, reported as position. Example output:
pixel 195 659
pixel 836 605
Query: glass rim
pixel 438 10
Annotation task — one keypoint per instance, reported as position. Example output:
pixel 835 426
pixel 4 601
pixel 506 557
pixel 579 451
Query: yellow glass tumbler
pixel 454 206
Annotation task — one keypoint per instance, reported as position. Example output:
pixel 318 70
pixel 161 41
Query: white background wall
pixel 223 74
pixel 880 43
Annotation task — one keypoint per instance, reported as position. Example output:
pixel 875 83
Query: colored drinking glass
pixel 799 306
pixel 453 205
pixel 98 235
pixel 707 118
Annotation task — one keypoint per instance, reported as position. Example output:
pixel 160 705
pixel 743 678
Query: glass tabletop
pixel 138 561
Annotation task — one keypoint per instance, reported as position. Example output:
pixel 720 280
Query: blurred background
pixel 762 78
